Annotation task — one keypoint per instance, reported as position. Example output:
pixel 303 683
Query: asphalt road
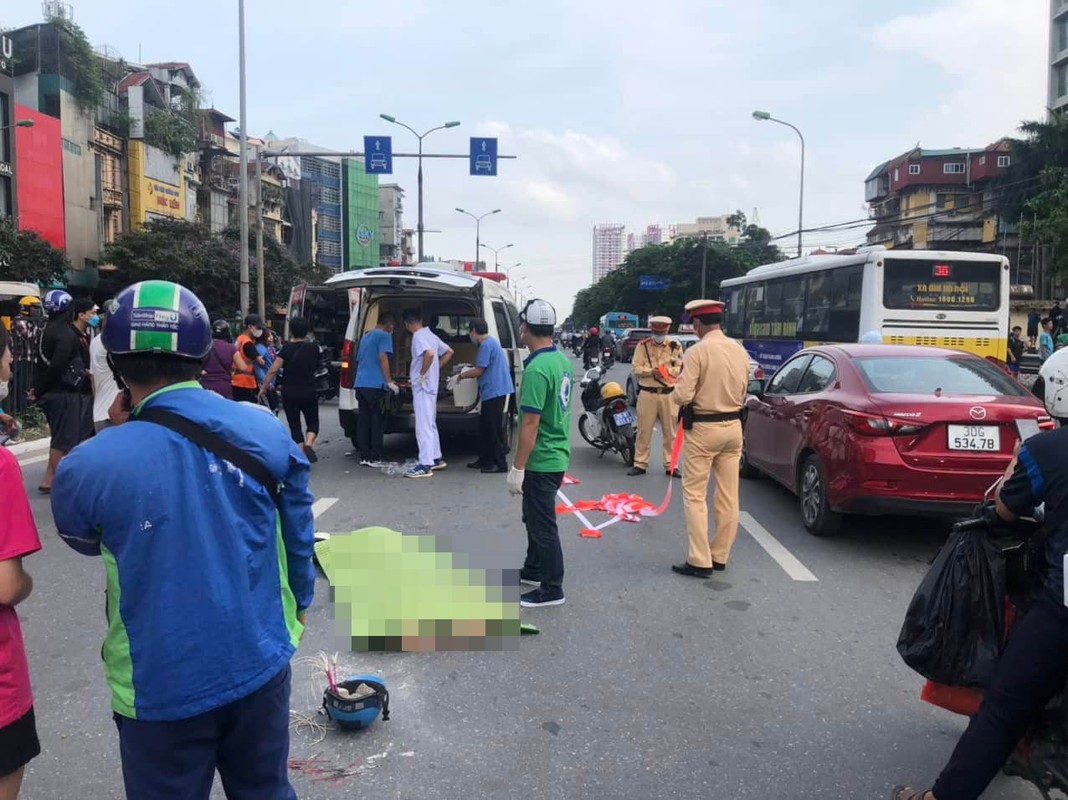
pixel 644 685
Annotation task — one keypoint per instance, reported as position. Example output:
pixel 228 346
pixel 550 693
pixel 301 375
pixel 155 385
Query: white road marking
pixel 569 504
pixel 787 560
pixel 322 505
pixel 35 460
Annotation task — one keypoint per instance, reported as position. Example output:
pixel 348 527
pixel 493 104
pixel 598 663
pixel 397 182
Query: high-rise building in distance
pixel 609 248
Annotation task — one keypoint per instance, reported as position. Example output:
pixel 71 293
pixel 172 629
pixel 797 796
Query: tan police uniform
pixel 714 378
pixel 654 401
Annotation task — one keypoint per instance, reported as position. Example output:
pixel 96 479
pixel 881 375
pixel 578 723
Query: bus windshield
pixel 949 285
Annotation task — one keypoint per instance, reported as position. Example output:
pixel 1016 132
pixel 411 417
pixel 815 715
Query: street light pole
pixel 419 178
pixel 508 272
pixel 764 115
pixel 496 254
pixel 261 266
pixel 478 227
pixel 19 123
pixel 243 161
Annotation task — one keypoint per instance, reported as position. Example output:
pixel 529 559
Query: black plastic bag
pixel 955 625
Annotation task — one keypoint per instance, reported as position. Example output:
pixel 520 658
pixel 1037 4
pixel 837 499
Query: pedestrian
pixel 374 377
pixel 1014 357
pixel 429 355
pixel 105 389
pixel 495 386
pixel 1032 327
pixel 243 381
pixel 223 361
pixel 656 364
pixel 18 539
pixel 543 453
pixel 25 345
pixel 1056 315
pixel 710 395
pixel 1045 340
pixel 299 358
pixel 201 511
pixel 265 353
pixel 62 385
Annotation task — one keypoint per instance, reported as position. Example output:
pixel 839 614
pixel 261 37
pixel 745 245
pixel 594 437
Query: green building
pixel 359 212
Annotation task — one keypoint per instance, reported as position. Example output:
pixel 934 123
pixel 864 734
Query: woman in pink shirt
pixel 18 538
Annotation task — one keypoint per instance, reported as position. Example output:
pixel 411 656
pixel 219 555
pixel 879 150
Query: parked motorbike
pixel 1041 757
pixel 606 423
pixel 327 375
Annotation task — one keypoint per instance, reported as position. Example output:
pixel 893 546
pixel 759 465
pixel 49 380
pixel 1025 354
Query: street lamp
pixel 496 254
pixel 508 271
pixel 764 115
pixel 478 226
pixel 420 137
pixel 19 123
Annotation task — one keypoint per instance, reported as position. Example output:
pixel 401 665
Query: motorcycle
pixel 327 375
pixel 1041 757
pixel 608 358
pixel 606 424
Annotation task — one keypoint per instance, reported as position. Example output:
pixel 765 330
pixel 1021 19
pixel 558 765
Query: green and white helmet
pixel 158 317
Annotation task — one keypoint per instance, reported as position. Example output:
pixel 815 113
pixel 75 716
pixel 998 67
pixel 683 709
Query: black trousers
pixel 297 402
pixel 493 449
pixel 545 556
pixel 245 395
pixel 1031 671
pixel 370 423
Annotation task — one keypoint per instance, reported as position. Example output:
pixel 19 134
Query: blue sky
pixel 619 111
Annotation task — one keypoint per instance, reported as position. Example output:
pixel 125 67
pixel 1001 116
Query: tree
pixel 1042 145
pixel 25 256
pixel 1049 209
pixel 205 263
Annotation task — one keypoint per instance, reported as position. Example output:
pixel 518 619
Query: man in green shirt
pixel 543 453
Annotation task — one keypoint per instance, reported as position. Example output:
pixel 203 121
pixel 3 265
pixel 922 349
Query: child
pixel 18 538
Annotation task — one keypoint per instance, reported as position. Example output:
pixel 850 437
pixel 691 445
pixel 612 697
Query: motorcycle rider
pixel 590 348
pixel 1032 667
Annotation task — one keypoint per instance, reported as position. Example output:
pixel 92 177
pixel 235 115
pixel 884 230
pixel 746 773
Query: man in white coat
pixel 429 355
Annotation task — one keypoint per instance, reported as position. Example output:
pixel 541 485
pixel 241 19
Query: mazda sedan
pixel 878 429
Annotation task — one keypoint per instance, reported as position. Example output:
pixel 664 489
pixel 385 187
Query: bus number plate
pixel 975 437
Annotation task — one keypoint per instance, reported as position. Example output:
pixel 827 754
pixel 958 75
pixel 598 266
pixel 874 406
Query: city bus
pixel 930 297
pixel 617 323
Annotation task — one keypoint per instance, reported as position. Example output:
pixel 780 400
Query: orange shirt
pixel 240 379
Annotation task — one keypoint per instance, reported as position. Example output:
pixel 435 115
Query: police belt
pixel 655 389
pixel 728 417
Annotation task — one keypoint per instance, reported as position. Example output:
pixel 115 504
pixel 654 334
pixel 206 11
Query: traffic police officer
pixel 710 395
pixel 656 364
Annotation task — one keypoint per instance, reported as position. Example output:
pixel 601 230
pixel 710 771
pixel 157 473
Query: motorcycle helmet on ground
pixel 612 390
pixel 357 702
pixel 56 301
pixel 220 329
pixel 158 317
pixel 1053 377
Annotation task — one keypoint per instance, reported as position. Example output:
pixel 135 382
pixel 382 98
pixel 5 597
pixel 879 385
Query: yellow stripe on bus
pixel 982 346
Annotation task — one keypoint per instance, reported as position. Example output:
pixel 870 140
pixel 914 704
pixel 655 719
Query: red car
pixel 885 429
pixel 628 343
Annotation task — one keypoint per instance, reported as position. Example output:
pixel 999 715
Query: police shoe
pixel 686 568
pixel 635 471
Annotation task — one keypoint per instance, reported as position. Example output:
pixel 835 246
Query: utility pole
pixel 704 264
pixel 243 159
pixel 261 266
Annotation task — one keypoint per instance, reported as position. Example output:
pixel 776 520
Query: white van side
pixel 449 302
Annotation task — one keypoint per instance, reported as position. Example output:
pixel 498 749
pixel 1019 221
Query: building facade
pixel 712 229
pixel 1058 56
pixel 609 248
pixel 939 199
pixel 8 193
pixel 39 195
pixel 360 225
pixel 390 224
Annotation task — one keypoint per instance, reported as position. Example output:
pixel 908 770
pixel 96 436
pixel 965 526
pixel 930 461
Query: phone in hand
pixel 1026 428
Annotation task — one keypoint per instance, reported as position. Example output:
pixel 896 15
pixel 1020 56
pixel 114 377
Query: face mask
pixel 257 333
pixel 659 339
pixel 473 339
pixel 4 388
pixel 94 321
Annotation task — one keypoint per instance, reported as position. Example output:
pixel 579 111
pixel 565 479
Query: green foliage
pixel 25 256
pixel 1043 144
pixel 32 419
pixel 170 132
pixel 207 264
pixel 60 48
pixel 1049 209
pixel 680 263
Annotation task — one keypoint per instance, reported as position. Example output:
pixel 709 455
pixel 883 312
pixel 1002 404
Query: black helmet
pixel 220 329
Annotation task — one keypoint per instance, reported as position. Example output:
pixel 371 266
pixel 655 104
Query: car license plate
pixel 624 418
pixel 975 437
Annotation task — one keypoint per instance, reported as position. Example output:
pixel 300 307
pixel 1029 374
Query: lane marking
pixel 774 548
pixel 322 505
pixel 579 514
pixel 35 460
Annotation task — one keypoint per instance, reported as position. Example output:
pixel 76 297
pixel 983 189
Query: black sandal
pixel 907 793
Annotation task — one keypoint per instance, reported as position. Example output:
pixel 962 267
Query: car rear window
pixel 923 375
pixel 638 333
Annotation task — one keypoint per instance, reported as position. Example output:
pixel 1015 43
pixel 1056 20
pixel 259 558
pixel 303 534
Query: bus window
pixel 754 310
pixel 844 324
pixel 817 306
pixel 735 322
pixel 765 322
pixel 793 306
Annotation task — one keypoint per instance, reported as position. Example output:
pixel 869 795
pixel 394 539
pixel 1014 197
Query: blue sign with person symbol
pixel 483 156
pixel 378 155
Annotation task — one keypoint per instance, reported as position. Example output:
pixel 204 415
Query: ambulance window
pixel 504 326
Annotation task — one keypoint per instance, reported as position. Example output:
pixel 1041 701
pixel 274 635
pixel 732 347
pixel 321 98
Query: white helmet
pixel 872 337
pixel 1054 375
pixel 538 312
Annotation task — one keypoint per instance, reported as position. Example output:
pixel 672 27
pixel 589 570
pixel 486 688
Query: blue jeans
pixel 545 557
pixel 246 740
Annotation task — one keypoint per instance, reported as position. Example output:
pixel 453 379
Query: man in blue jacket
pixel 201 512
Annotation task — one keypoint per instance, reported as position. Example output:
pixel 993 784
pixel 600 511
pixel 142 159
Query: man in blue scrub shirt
pixel 494 387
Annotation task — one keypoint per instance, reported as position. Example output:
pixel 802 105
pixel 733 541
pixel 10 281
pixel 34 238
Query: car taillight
pixel 877 425
pixel 1046 423
pixel 346 365
pixel 759 374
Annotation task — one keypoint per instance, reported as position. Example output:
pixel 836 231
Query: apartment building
pixel 609 248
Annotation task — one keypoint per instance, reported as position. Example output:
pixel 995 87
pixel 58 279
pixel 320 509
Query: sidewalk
pixel 26 448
